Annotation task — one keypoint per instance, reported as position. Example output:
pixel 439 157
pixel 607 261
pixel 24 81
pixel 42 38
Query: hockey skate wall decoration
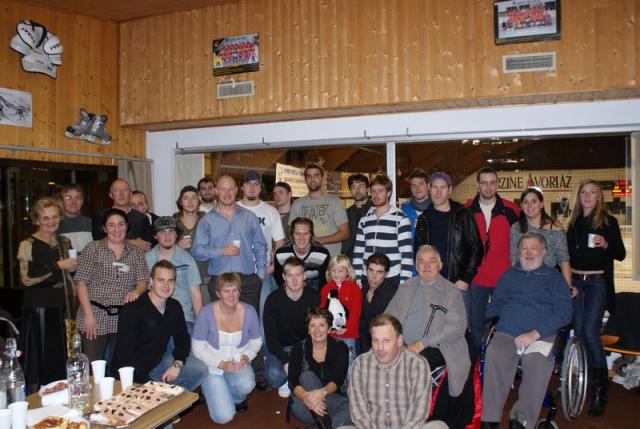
pixel 41 50
pixel 90 127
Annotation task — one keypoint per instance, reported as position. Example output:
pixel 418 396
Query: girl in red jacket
pixel 343 297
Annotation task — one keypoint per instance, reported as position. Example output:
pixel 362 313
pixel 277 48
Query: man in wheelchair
pixel 432 313
pixel 532 302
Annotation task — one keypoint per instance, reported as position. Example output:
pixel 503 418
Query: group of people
pixel 345 311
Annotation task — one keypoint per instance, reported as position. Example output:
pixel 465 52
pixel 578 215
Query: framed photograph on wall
pixel 517 21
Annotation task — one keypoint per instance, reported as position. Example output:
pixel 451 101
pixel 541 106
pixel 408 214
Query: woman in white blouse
pixel 226 337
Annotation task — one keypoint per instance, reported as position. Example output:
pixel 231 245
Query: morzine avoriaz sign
pixel 236 54
pixel 558 182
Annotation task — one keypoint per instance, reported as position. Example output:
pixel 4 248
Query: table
pixel 152 419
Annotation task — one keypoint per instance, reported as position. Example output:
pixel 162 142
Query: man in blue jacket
pixel 532 302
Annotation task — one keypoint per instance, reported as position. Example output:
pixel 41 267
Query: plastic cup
pixel 236 243
pixel 106 387
pixel 591 241
pixel 19 414
pixel 98 367
pixel 126 376
pixel 73 253
pixel 5 418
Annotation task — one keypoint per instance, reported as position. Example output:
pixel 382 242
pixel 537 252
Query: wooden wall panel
pixel 339 54
pixel 88 77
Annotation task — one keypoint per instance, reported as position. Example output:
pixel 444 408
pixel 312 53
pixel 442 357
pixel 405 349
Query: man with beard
pixel 330 222
pixel 359 187
pixel 385 229
pixel 419 184
pixel 282 200
pixel 207 190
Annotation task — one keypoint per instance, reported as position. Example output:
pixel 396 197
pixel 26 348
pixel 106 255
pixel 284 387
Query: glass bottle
pixel 13 375
pixel 78 377
pixel 3 386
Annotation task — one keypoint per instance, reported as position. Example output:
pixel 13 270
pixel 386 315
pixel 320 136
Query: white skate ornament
pixel 41 50
pixel 90 127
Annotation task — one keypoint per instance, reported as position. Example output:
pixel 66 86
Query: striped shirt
pixel 315 264
pixel 392 396
pixel 391 235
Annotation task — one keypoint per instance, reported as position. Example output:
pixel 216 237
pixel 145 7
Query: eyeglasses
pixel 72 197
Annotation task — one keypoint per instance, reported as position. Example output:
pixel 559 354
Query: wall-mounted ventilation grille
pixel 235 89
pixel 542 61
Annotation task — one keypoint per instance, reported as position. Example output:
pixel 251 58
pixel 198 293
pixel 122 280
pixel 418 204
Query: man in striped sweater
pixel 387 230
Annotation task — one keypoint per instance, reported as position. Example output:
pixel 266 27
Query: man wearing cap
pixel 329 217
pixel 449 227
pixel 139 229
pixel 270 224
pixel 282 201
pixel 229 237
pixel 207 191
pixel 187 290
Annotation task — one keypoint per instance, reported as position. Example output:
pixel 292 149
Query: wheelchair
pixel 570 356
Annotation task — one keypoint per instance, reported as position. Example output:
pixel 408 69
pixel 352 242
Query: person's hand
pixel 416 346
pixel 230 250
pixel 286 368
pixel 171 374
pixel 270 269
pixel 462 285
pixel 320 409
pixel 600 241
pixel 145 246
pixel 244 361
pixel 131 296
pixel 90 326
pixel 573 291
pixel 523 341
pixel 229 365
pixel 312 398
pixel 69 264
pixel 185 242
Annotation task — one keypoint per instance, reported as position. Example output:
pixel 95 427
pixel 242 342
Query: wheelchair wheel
pixel 573 379
pixel 543 424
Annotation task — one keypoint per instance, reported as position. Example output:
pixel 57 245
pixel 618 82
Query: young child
pixel 341 278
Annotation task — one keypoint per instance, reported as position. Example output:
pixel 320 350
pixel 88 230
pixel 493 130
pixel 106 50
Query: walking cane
pixel 434 308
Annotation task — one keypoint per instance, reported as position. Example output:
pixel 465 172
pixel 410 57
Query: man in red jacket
pixel 494 216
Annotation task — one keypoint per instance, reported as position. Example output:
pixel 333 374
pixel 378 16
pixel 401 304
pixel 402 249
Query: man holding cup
pixel 230 239
pixel 144 329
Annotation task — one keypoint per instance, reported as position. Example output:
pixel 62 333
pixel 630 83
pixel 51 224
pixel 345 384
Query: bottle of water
pixel 13 375
pixel 78 377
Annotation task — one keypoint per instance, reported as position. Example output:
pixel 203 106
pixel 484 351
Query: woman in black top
pixel 44 258
pixel 317 370
pixel 594 241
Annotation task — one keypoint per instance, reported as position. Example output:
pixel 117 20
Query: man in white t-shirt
pixel 329 217
pixel 271 226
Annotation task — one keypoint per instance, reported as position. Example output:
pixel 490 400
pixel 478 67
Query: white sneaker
pixel 284 391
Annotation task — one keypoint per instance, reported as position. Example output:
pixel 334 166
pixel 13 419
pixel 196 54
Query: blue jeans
pixel 478 300
pixel 588 310
pixel 224 391
pixel 192 373
pixel 337 403
pixel 274 368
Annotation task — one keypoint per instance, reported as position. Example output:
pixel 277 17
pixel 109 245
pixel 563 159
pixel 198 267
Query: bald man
pixel 139 230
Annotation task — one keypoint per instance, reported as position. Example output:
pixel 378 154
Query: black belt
pixel 585 277
pixel 112 310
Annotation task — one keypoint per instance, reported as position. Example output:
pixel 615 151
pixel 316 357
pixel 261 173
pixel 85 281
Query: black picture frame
pixel 520 21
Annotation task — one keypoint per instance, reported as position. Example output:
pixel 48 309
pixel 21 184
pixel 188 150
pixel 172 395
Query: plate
pixel 53 383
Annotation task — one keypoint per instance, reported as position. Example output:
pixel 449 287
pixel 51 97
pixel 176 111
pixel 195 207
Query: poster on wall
pixel 236 54
pixel 517 21
pixel 15 108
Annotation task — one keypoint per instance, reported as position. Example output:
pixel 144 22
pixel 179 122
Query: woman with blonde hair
pixel 226 337
pixel 342 292
pixel 594 242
